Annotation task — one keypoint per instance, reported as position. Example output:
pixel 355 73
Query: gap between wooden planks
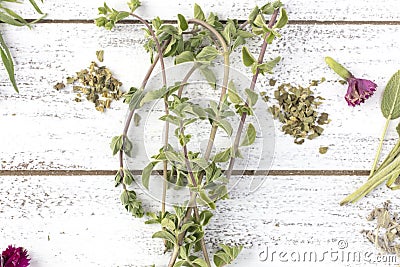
pixel 139 172
pixel 292 22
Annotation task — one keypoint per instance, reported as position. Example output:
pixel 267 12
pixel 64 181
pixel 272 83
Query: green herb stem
pixel 239 131
pixel 192 201
pixel 393 154
pixel 378 152
pixel 225 48
pixel 378 178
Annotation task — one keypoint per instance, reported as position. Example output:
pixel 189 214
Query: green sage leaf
pixel 390 104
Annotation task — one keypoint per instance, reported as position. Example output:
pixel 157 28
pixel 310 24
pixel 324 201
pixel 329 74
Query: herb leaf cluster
pixel 200 41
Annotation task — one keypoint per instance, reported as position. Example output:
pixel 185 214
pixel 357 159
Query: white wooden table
pixel 56 189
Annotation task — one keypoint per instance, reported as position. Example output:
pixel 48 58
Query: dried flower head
pixel 359 90
pixel 15 257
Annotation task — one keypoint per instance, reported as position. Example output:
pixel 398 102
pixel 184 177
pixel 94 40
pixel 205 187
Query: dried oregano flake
pixel 297 111
pixel 96 83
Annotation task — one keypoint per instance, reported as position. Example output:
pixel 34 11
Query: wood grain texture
pixel 78 221
pixel 44 129
pixel 320 10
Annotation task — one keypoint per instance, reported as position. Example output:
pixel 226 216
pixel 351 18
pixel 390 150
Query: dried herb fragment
pixel 96 83
pixel 386 234
pixel 59 86
pixel 100 55
pixel 297 111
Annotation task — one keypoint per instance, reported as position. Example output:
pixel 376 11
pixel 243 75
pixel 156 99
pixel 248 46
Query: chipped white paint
pixel 45 129
pixel 78 221
pixel 321 10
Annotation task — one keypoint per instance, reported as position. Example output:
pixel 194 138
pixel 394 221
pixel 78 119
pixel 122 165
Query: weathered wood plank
pixel 78 221
pixel 45 129
pixel 325 10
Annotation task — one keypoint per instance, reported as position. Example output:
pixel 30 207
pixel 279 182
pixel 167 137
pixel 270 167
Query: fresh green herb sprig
pixel 389 170
pixel 200 41
pixel 10 17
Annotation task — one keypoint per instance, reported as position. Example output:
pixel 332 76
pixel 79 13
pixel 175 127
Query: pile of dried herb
pixel 297 111
pixel 386 235
pixel 96 83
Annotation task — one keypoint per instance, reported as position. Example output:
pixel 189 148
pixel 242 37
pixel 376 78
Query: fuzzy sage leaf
pixel 390 104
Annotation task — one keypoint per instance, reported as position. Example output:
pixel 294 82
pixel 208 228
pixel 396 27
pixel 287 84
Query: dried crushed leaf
pixel 96 83
pixel 323 149
pixel 297 111
pixel 386 234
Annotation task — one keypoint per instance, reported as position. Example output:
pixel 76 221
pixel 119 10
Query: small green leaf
pixel 146 174
pixel 250 136
pixel 182 23
pixel 185 56
pixel 226 255
pixel 247 57
pixel 226 126
pixel 198 12
pixel 8 62
pixel 223 156
pixel 210 77
pixel 127 146
pixel 253 14
pixel 207 200
pixel 168 223
pixel 121 15
pixel 390 104
pixel 153 95
pixel 233 95
pixel 36 7
pixel 200 262
pixel 128 177
pixel 208 53
pixel 283 19
pixel 165 235
pixel 252 97
pixel 268 66
pixel 118 178
pixel 116 144
pixel 133 5
pixel 205 217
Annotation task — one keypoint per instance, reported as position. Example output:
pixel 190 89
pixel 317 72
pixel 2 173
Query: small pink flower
pixel 359 90
pixel 15 257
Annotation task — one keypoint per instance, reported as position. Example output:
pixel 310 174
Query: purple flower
pixel 359 90
pixel 15 257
